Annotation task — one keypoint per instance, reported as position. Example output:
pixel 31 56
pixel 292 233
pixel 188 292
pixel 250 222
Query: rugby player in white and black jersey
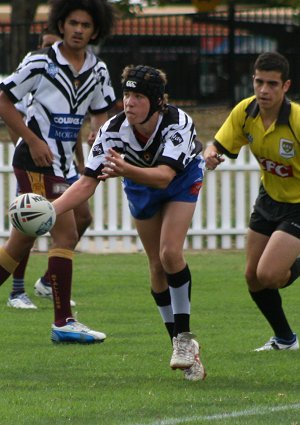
pixel 153 146
pixel 65 82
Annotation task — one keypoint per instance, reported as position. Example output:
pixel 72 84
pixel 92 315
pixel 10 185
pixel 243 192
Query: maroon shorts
pixel 49 186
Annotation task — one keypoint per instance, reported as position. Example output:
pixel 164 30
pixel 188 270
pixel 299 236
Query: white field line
pixel 258 411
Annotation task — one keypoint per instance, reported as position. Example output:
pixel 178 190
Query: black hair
pixel 273 61
pixel 102 12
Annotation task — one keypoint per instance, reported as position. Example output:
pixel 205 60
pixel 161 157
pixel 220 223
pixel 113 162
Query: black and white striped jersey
pixel 173 142
pixel 60 98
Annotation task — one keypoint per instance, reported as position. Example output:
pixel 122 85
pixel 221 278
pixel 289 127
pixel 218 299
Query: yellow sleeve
pixel 231 134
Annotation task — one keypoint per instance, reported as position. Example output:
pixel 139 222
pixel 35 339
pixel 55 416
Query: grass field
pixel 127 379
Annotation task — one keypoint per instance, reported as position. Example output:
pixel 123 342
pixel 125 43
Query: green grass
pixel 127 380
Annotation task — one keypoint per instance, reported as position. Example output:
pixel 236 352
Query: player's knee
pixel 156 270
pixel 251 279
pixel 170 256
pixel 67 241
pixel 269 280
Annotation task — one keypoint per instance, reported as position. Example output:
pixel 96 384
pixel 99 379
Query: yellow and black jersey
pixel 276 149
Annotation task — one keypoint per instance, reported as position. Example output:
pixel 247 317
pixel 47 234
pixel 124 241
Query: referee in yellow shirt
pixel 270 124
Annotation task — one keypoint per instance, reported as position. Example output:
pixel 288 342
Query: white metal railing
pixel 220 220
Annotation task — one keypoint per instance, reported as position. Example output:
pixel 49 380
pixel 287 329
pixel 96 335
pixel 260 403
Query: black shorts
pixel 269 215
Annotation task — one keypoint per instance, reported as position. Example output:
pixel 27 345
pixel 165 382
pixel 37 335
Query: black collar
pixel 252 110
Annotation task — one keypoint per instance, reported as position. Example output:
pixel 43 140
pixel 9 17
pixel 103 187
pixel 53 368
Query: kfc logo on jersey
pixel 176 139
pixel 276 168
pixel 286 149
pixel 130 84
pixel 52 69
pixel 97 150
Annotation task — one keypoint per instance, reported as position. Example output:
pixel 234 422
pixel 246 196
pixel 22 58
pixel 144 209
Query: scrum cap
pixel 147 81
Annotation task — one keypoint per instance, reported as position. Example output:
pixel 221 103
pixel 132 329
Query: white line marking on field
pixel 259 410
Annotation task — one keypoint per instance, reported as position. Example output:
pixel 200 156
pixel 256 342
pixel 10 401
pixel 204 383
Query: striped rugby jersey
pixel 60 99
pixel 173 143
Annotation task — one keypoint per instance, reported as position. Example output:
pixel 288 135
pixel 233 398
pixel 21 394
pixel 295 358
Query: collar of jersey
pixel 90 59
pixel 283 118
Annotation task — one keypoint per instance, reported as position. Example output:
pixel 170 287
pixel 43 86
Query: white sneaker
pixel 21 301
pixel 276 343
pixel 45 291
pixel 74 331
pixel 195 372
pixel 185 349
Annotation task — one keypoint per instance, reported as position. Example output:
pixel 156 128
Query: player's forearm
pixel 158 177
pixel 75 195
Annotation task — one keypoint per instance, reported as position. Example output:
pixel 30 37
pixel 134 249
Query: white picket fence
pixel 220 220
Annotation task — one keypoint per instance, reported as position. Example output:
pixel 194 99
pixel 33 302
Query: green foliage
pixel 127 379
pixel 127 8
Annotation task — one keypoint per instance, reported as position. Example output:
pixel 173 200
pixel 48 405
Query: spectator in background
pixel 65 81
pixel 270 124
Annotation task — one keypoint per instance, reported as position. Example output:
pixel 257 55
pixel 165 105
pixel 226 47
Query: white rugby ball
pixel 32 214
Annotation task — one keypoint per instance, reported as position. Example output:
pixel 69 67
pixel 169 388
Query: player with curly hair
pixel 65 81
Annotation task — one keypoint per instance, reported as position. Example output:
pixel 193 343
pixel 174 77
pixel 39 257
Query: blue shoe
pixel 74 331
pixel 276 343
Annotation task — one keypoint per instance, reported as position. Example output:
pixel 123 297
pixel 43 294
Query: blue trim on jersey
pixel 145 202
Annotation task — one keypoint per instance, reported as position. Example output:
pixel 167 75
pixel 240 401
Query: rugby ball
pixel 32 214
